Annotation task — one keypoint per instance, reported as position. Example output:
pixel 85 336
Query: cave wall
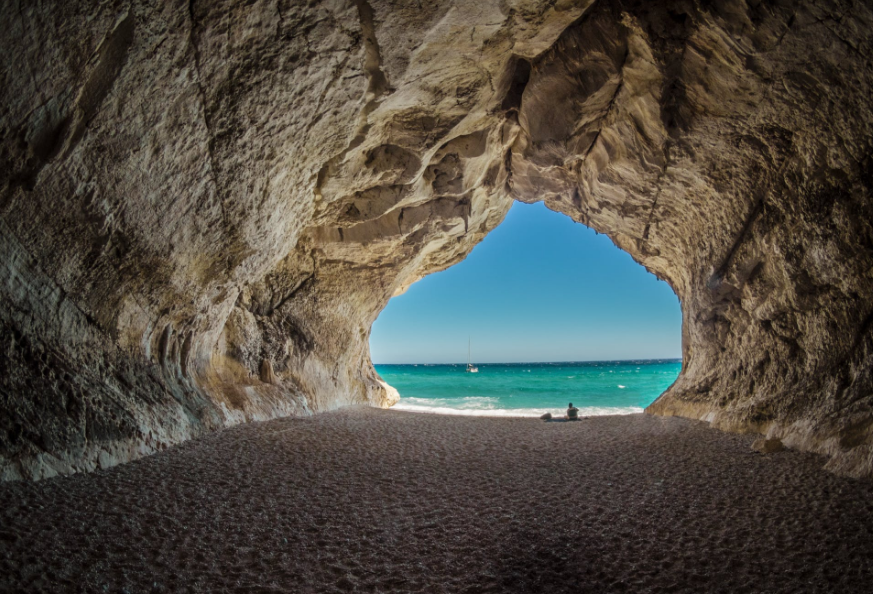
pixel 726 147
pixel 204 206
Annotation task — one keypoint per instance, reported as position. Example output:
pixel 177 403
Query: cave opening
pixel 547 312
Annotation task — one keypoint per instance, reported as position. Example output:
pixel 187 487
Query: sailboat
pixel 470 367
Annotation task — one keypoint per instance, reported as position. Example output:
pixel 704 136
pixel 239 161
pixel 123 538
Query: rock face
pixel 204 206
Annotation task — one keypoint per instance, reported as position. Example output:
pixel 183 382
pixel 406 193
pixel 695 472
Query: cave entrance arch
pixel 557 312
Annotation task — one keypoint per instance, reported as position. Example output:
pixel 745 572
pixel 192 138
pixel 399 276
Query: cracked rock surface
pixel 204 206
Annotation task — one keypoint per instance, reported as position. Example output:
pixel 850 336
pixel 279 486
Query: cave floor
pixel 366 500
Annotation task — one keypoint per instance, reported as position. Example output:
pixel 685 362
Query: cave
pixel 204 206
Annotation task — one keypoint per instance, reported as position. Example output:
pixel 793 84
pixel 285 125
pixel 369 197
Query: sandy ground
pixel 383 501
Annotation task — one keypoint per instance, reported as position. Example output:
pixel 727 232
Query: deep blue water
pixel 531 389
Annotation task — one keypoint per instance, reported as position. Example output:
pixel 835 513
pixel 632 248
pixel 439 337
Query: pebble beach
pixel 367 500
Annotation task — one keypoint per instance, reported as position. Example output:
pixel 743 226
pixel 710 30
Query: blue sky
pixel 540 287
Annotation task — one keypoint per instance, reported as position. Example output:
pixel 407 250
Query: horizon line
pixel 541 362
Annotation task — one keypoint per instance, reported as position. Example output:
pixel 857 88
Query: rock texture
pixel 204 206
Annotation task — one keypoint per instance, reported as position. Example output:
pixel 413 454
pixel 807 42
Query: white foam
pixel 463 403
pixel 590 411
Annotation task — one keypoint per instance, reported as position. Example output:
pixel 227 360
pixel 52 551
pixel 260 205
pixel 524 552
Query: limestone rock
pixel 205 205
pixel 546 417
pixel 767 446
pixel 390 396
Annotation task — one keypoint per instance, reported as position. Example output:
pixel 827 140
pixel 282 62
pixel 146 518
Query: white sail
pixel 470 367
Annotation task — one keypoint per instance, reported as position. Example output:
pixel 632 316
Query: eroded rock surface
pixel 204 206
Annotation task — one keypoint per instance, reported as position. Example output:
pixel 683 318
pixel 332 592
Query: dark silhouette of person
pixel 572 413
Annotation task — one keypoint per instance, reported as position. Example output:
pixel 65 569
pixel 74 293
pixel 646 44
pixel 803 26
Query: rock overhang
pixel 205 207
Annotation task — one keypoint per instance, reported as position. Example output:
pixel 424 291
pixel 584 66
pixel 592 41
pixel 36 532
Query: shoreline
pixel 525 413
pixel 530 389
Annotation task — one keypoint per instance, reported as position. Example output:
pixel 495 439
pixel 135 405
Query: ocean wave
pixel 590 411
pixel 462 403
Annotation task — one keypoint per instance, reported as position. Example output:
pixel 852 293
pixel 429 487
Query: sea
pixel 531 389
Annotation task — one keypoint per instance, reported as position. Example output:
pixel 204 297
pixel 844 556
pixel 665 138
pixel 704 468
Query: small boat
pixel 470 367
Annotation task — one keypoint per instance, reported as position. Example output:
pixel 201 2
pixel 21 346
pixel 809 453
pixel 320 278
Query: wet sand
pixel 368 500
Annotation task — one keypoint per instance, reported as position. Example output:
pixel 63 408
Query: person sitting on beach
pixel 572 413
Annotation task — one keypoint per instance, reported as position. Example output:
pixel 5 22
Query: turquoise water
pixel 531 389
